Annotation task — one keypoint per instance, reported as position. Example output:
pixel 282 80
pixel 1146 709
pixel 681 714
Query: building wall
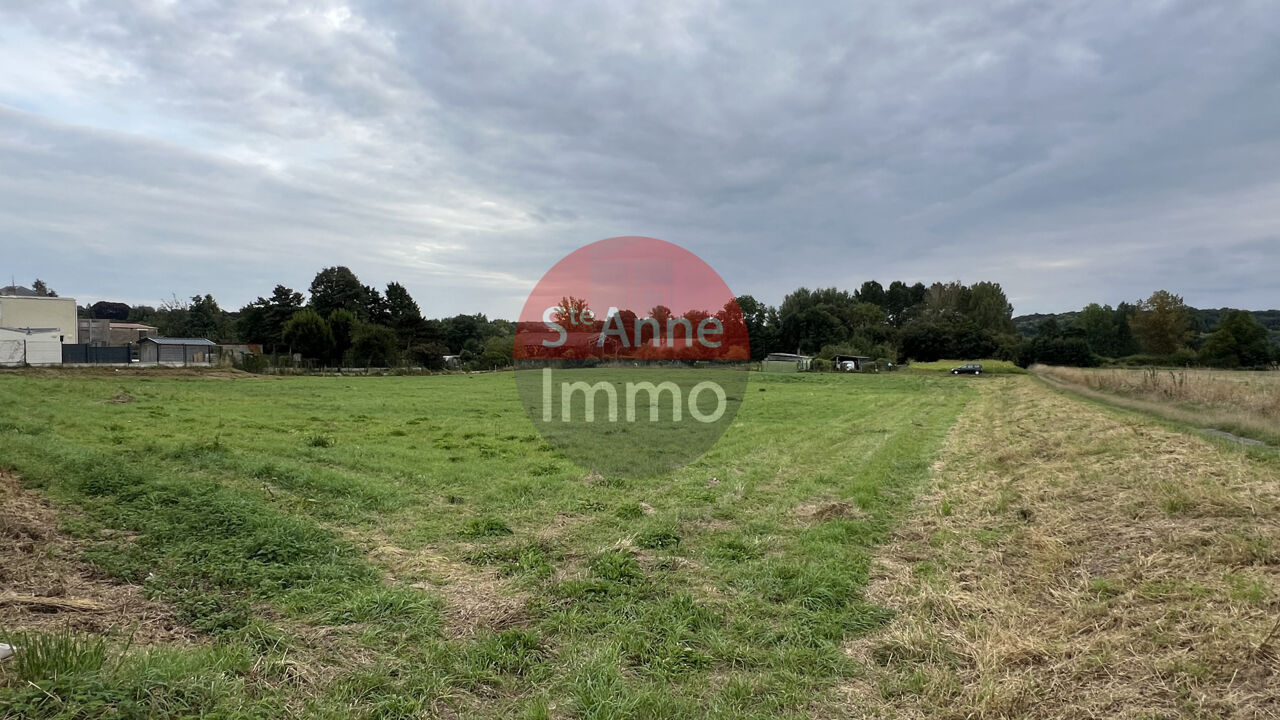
pixel 32 349
pixel 93 332
pixel 129 336
pixel 780 366
pixel 41 312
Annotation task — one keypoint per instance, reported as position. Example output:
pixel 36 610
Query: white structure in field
pixel 30 346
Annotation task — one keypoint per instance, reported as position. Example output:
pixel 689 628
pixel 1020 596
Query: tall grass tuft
pixel 48 656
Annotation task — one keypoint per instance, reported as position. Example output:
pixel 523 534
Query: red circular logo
pixel 631 356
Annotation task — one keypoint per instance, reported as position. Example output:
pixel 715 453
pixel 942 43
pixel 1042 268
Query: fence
pixel 15 353
pixel 86 354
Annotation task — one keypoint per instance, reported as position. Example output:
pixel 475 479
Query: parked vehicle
pixel 967 369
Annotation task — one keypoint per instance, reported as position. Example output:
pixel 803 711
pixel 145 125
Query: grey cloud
pixel 462 148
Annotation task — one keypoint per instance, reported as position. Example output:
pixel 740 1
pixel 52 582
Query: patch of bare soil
pixel 1072 563
pixel 44 587
pixel 475 598
pixel 820 511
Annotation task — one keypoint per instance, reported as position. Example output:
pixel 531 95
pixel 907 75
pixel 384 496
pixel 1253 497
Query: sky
pixel 1072 151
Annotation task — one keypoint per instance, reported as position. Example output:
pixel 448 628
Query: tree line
pixel 340 321
pixel 343 321
pixel 1162 329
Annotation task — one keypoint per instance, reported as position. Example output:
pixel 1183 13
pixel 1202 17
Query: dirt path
pixel 1073 563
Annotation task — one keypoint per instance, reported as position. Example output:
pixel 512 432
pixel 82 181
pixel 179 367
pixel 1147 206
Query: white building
pixel 40 313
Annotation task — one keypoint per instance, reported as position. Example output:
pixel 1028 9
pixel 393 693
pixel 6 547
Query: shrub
pixel 374 346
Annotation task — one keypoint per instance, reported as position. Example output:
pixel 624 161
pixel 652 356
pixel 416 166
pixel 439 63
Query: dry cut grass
pixel 1248 400
pixel 1071 563
pixel 44 586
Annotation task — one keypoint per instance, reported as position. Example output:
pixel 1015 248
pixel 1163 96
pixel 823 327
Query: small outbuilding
pixel 177 351
pixel 852 363
pixel 123 333
pixel 786 363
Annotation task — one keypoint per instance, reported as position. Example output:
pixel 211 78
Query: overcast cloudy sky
pixel 1072 151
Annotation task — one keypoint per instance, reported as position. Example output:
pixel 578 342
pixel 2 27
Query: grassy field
pixel 406 547
pixel 1072 560
pixel 1243 402
pixel 890 545
pixel 992 367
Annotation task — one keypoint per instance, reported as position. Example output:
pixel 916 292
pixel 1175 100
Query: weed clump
pixel 617 566
pixel 486 527
pixel 657 539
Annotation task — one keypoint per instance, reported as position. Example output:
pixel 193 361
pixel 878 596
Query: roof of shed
pixel 180 341
pixel 130 326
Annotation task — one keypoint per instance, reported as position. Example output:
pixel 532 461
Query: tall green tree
pixel 1161 323
pixel 461 331
pixel 342 324
pixel 761 321
pixel 107 310
pixel 309 335
pixel 1126 343
pixel 375 308
pixel 497 353
pixel 861 316
pixel 337 288
pixel 871 292
pixel 946 300
pixel 263 320
pixel 1097 325
pixel 902 301
pixel 204 318
pixel 1239 341
pixel 989 308
pixel 812 319
pixel 403 314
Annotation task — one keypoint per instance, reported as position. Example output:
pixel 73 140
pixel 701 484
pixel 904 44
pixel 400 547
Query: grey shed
pixel 177 351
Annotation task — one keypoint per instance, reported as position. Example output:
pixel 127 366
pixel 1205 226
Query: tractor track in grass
pixel 1073 562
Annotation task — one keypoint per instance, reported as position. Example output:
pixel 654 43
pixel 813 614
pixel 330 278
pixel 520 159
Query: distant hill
pixel 1202 320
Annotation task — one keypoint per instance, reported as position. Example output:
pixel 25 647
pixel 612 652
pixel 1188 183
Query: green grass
pixel 993 367
pixel 256 505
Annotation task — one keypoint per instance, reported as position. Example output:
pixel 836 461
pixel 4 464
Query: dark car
pixel 967 369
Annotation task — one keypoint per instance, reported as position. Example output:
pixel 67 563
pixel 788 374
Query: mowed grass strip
pixel 1076 561
pixel 400 547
